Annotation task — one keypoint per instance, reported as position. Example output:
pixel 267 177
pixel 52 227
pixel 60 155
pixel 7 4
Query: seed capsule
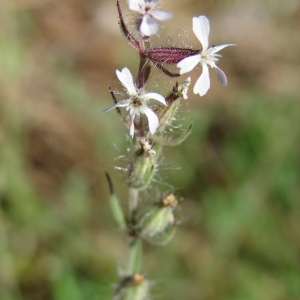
pixel 142 167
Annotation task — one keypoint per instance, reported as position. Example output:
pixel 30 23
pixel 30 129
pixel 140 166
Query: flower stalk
pixel 149 115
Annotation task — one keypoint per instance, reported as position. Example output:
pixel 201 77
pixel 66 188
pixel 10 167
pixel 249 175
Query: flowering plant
pixel 148 115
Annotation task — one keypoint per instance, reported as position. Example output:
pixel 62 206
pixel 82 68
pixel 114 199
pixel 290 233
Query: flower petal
pixel 201 30
pixel 152 118
pixel 134 5
pixel 132 128
pixel 148 26
pixel 153 3
pixel 122 103
pixel 126 79
pixel 154 96
pixel 215 49
pixel 222 79
pixel 203 83
pixel 160 15
pixel 188 63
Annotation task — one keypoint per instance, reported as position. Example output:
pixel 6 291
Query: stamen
pixel 136 101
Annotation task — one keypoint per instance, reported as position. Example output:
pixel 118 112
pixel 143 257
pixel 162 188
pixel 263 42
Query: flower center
pixel 135 101
pixel 209 56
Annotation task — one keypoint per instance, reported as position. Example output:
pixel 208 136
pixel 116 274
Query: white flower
pixel 208 56
pixel 137 104
pixel 147 9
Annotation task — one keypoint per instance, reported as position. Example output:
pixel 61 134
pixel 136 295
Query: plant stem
pixel 132 201
pixel 135 255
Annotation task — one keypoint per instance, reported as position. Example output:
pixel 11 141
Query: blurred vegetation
pixel 240 167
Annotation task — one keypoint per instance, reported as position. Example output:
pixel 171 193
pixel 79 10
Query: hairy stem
pixel 133 198
pixel 144 72
pixel 134 261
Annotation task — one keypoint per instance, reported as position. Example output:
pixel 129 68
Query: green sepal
pixel 138 292
pixel 165 238
pixel 156 221
pixel 171 142
pixel 141 169
pixel 166 114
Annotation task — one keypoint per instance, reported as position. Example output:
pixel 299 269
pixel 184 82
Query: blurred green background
pixel 239 171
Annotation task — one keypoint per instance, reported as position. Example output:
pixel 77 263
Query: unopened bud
pixel 134 287
pixel 166 114
pixel 142 167
pixel 159 217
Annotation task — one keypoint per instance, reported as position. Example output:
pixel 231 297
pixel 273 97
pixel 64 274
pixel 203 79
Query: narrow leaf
pixel 115 205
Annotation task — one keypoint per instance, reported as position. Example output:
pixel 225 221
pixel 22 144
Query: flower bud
pixel 142 167
pixel 159 217
pixel 134 287
pixel 166 113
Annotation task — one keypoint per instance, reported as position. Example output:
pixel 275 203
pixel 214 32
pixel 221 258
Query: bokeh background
pixel 237 175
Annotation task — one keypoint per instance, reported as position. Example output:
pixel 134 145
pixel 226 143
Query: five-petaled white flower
pixel 136 104
pixel 207 56
pixel 147 9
